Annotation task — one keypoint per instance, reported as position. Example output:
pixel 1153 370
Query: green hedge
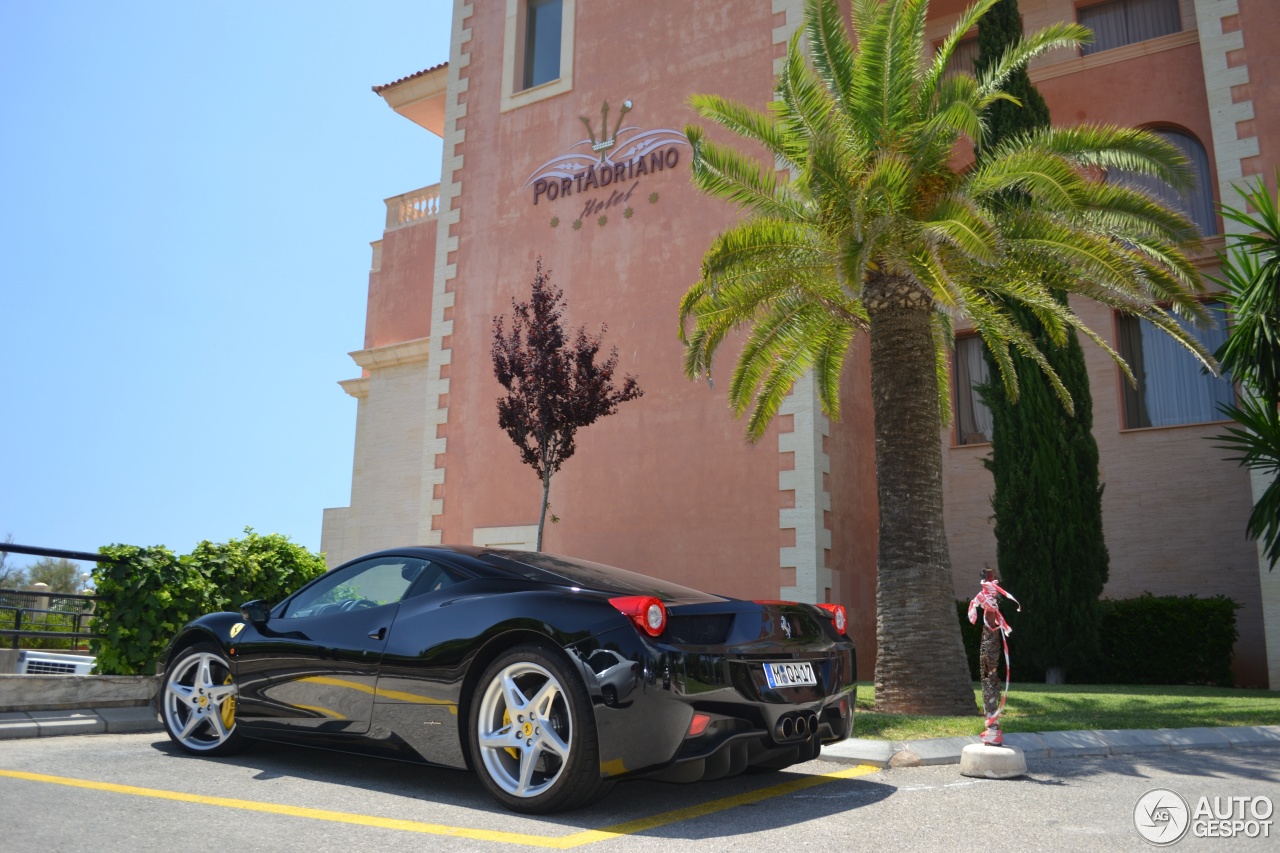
pixel 1145 640
pixel 267 567
pixel 1168 640
pixel 143 599
pixel 149 593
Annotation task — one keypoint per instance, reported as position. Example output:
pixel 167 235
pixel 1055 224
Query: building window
pixel 543 20
pixel 962 58
pixel 1120 22
pixel 1173 387
pixel 1195 203
pixel 537 54
pixel 973 418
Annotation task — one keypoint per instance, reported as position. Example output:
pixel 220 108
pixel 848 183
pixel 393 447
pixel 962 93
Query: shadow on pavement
pixel 627 802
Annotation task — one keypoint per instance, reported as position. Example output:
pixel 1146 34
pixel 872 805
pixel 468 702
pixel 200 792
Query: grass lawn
pixel 1058 707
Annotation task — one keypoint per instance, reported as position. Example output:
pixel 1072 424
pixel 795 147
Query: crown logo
pixel 607 140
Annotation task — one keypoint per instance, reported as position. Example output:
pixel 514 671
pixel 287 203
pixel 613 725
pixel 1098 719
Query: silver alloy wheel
pixel 199 702
pixel 525 729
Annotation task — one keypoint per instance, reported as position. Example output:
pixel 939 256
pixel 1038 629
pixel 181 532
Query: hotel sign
pixel 618 160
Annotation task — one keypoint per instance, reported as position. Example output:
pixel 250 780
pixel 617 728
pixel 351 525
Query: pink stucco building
pixel 669 486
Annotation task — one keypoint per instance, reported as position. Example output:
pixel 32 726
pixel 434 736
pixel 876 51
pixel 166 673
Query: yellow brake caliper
pixel 228 710
pixel 506 721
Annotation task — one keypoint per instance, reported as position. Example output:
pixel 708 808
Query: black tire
pixel 533 734
pixel 198 702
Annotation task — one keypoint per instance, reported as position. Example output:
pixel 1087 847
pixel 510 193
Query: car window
pixel 370 583
pixel 432 578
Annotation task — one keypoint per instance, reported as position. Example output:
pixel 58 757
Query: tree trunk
pixel 920 661
pixel 546 496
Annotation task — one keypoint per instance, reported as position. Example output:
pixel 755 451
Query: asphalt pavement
pixel 855 751
pixel 137 793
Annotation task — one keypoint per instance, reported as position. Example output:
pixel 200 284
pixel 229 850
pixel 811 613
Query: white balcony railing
pixel 411 207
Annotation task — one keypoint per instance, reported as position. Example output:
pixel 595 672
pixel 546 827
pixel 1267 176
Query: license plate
pixel 789 675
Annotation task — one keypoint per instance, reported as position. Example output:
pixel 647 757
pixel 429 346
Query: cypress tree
pixel 1047 501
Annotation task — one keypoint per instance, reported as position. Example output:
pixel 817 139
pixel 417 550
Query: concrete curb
pixel 25 724
pixel 919 753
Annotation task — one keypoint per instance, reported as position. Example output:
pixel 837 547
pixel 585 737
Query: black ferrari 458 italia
pixel 551 677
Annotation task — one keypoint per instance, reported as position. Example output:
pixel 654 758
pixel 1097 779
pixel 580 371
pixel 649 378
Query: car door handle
pixel 380 634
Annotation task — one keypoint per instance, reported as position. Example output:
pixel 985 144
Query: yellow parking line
pixel 563 842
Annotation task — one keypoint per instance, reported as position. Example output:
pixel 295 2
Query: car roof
pixel 549 568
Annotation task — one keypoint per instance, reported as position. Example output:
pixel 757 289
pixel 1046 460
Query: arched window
pixel 1197 202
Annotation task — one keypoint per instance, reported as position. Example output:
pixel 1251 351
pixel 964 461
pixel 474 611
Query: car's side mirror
pixel 257 611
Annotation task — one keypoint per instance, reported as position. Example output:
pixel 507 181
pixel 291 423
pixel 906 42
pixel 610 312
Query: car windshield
pixel 552 568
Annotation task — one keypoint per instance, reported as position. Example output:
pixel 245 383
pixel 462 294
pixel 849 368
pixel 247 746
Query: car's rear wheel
pixel 199 703
pixel 533 736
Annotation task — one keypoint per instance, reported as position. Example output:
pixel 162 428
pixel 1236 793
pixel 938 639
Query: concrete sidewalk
pixel 919 753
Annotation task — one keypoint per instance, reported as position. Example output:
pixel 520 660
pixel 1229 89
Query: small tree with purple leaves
pixel 554 385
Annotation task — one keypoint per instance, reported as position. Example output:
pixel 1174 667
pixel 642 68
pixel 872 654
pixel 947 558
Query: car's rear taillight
pixel 839 616
pixel 644 610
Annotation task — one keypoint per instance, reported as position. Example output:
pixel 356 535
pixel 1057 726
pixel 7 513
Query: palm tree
pixel 1251 280
pixel 876 231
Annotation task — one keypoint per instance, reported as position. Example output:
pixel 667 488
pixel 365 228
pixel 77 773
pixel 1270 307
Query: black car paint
pixel 397 680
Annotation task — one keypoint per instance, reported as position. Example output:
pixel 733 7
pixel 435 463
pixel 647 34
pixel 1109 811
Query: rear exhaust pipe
pixel 793 727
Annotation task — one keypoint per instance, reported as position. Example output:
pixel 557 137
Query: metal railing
pixel 47 615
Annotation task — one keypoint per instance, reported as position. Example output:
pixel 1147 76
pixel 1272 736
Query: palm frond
pixel 1255 444
pixel 933 75
pixel 745 122
pixel 1018 54
pixel 724 172
pixel 831 49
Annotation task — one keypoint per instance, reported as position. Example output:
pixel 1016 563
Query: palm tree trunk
pixel 920 660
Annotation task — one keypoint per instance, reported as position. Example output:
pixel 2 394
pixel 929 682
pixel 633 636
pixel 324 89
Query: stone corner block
pixel 904 758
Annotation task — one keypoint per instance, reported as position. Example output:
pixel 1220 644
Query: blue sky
pixel 189 191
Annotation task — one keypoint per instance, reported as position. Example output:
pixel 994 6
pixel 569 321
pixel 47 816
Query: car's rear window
pixel 570 571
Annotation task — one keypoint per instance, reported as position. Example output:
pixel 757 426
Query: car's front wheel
pixel 533 736
pixel 199 703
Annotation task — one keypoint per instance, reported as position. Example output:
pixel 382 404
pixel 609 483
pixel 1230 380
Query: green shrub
pixel 1145 640
pixel 266 567
pixel 146 598
pixel 143 599
pixel 1167 640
